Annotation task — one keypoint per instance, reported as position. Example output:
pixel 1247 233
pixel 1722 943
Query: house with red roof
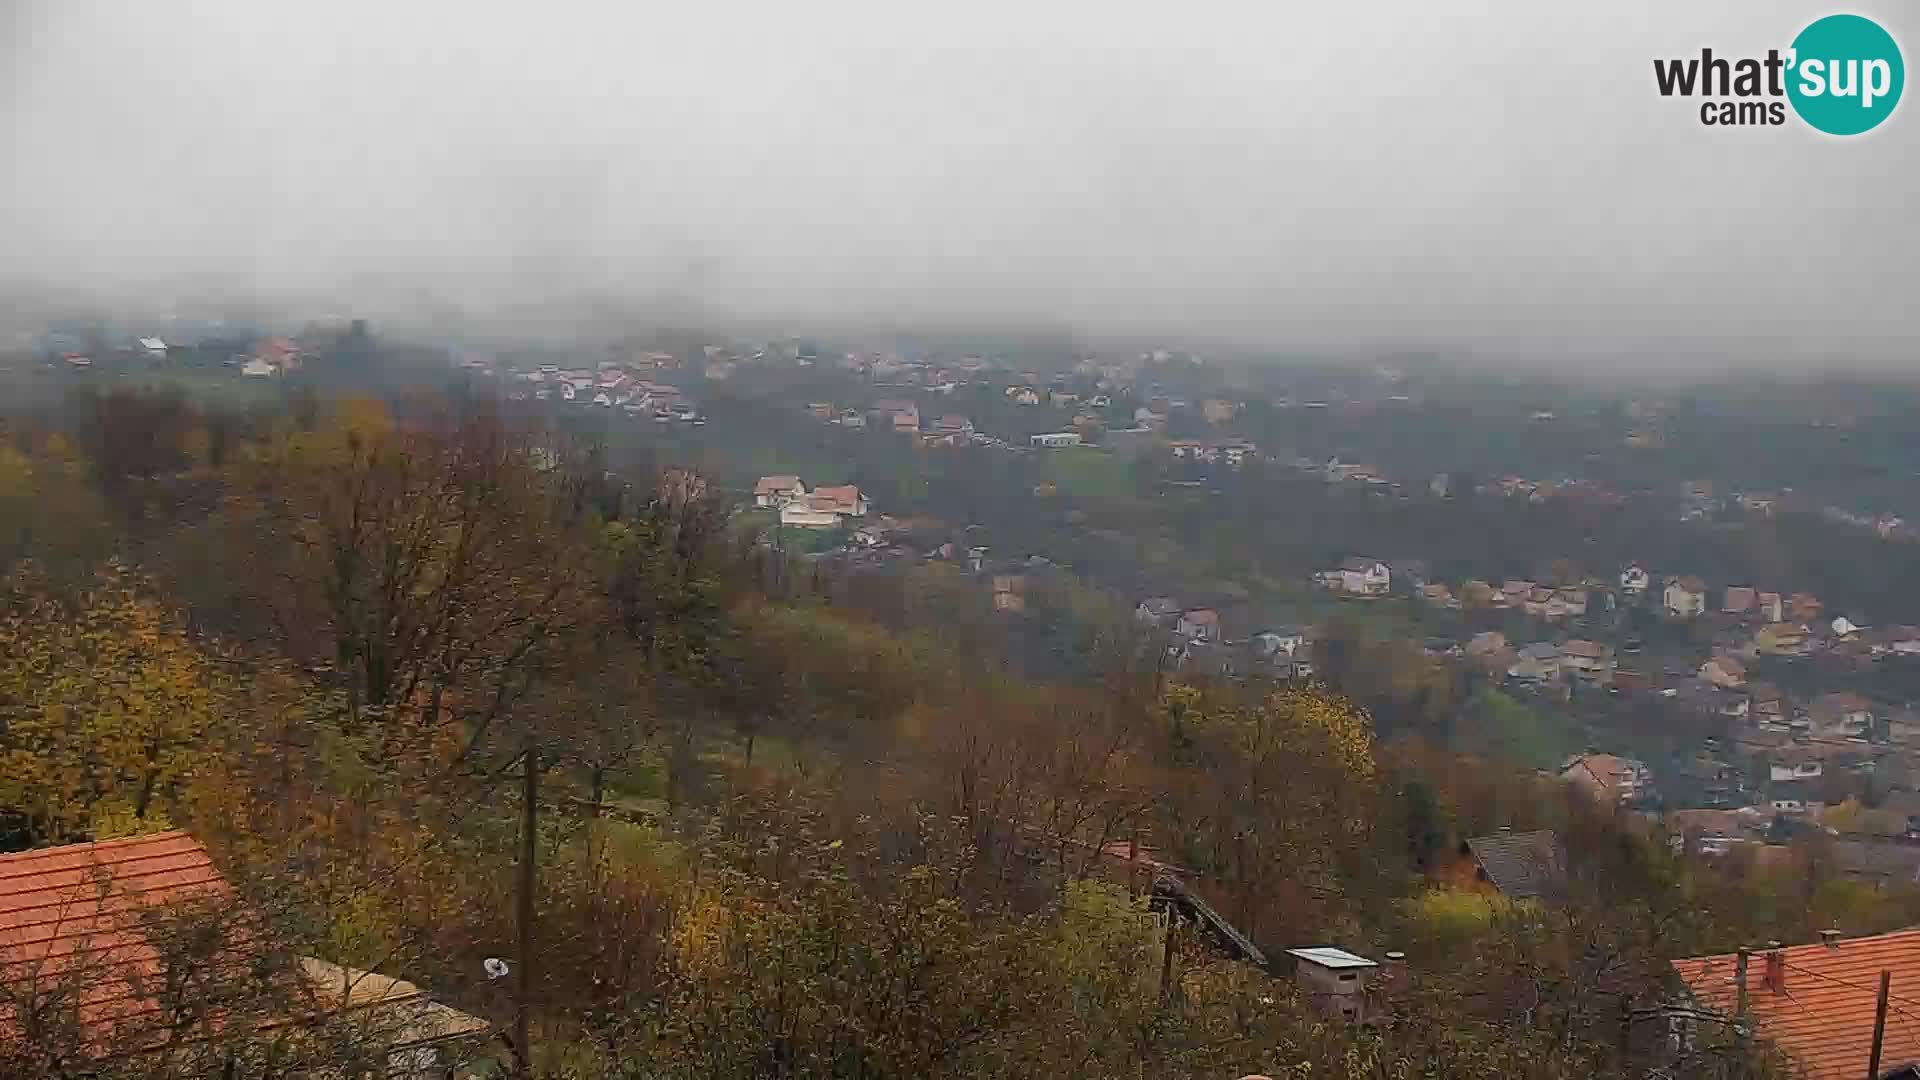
pixel 1816 1003
pixel 110 950
pixel 278 353
pixel 843 499
pixel 1199 624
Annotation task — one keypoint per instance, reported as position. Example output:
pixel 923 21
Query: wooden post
pixel 1879 1026
pixel 1626 1029
pixel 1133 860
pixel 523 984
pixel 1740 987
pixel 1166 958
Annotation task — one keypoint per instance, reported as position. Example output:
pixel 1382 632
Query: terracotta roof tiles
pixel 71 917
pixel 1821 1014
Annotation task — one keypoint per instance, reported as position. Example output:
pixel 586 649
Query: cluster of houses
pixel 1539 491
pixel 266 357
pixel 1768 623
pixel 1886 526
pixel 1806 752
pixel 1823 1005
pixel 1230 452
pixel 1760 623
pixel 1576 661
pixel 1090 391
pixel 610 385
pixel 825 507
pixel 1359 576
pixel 1197 639
pixel 1815 1003
pixel 903 417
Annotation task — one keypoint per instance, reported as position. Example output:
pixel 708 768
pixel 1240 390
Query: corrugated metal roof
pixel 1330 957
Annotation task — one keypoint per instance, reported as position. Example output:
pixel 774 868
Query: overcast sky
pixel 1496 179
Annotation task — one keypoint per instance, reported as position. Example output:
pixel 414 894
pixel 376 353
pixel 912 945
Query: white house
pixel 1056 439
pixel 772 492
pixel 1365 577
pixel 801 514
pixel 1270 643
pixel 1902 640
pixel 1633 580
pixel 1781 771
pixel 1158 611
pixel 1795 797
pixel 257 368
pixel 153 348
pixel 1685 597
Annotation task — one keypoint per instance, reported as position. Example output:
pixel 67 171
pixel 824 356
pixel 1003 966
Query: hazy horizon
pixel 1501 183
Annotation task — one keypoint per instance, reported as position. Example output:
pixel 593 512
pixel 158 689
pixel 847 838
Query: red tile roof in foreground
pixel 1821 1014
pixel 74 923
pixel 69 919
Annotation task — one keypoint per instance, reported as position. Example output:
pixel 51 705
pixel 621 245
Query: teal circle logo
pixel 1845 74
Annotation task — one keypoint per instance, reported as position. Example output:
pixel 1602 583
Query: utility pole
pixel 1879 1025
pixel 523 987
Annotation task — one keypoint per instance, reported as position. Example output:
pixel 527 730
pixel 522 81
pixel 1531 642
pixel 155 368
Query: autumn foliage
pixel 813 830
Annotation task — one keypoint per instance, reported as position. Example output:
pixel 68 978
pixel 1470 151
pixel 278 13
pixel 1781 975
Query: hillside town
pixel 1733 718
pixel 1338 543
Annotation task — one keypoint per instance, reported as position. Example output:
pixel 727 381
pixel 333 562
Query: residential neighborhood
pixel 1362 542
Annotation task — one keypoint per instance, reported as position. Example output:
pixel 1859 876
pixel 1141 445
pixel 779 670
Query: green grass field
pixel 1086 472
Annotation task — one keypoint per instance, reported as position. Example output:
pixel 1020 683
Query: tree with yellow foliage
pixel 1289 790
pixel 102 699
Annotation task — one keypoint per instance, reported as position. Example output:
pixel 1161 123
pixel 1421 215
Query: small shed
pixel 1335 980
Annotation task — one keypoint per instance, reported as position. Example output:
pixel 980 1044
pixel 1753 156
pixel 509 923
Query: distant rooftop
pixel 1522 865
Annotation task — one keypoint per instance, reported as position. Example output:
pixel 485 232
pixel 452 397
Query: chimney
pixel 1776 971
pixel 1395 978
pixel 1830 938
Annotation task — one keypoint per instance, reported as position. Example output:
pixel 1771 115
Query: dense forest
pixel 436 685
